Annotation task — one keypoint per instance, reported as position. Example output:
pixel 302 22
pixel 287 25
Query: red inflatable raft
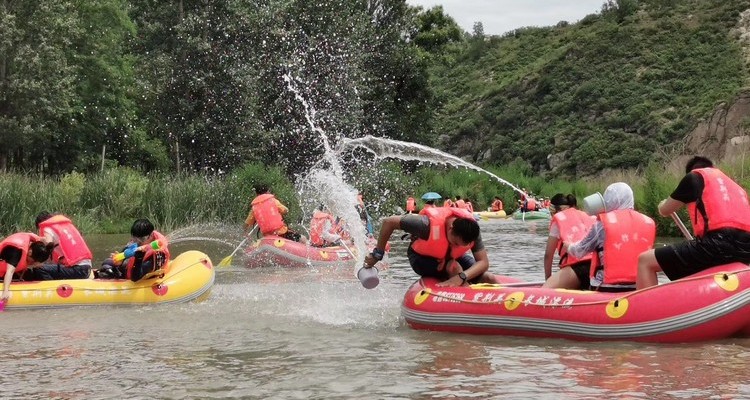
pixel 713 304
pixel 278 251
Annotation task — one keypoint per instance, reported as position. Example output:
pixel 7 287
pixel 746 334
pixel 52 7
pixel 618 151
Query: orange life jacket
pixel 267 214
pixel 469 207
pixel 627 234
pixel 460 204
pixel 160 257
pixel 437 246
pixel 317 225
pixel 724 201
pixel 411 205
pixel 497 205
pixel 360 200
pixel 573 225
pixel 530 204
pixel 448 203
pixel 72 249
pixel 21 241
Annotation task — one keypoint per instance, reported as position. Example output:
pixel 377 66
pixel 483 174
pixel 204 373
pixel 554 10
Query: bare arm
pixel 669 206
pixel 549 255
pixel 6 282
pixel 390 224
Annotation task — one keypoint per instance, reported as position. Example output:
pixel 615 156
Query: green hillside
pixel 614 90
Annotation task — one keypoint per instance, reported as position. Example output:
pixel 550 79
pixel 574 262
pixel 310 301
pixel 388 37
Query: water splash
pixel 383 148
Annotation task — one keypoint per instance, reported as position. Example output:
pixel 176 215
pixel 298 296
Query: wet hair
pixel 466 229
pixel 698 162
pixel 559 200
pixel 572 201
pixel 141 228
pixel 40 252
pixel 261 189
pixel 41 217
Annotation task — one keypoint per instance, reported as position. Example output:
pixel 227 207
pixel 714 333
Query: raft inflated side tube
pixel 594 204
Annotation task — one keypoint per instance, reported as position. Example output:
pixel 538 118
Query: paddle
pixel 341 242
pixel 682 227
pixel 227 261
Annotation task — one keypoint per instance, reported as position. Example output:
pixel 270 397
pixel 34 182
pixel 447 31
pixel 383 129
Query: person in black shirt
pixel 720 238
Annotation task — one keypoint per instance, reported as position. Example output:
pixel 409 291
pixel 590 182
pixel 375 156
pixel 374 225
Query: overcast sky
pixel 500 16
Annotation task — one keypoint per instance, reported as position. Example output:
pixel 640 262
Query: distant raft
pixel 713 304
pixel 187 277
pixel 490 214
pixel 531 215
pixel 278 251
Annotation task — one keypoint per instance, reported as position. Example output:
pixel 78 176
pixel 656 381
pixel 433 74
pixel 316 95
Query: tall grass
pixel 108 202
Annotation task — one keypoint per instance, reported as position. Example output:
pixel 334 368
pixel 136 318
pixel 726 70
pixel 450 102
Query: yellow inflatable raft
pixel 187 277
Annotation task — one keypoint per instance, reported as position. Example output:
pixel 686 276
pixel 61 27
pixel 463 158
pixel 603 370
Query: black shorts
pixel 582 270
pixel 722 246
pixel 428 266
pixel 292 235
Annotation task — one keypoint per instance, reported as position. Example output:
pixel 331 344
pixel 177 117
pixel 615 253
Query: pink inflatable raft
pixel 713 304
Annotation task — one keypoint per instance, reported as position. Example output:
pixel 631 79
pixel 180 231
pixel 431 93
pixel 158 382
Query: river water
pixel 269 333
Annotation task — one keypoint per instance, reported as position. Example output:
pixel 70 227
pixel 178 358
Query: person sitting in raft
pixel 720 216
pixel 428 204
pixel 147 251
pixel 411 205
pixel 323 228
pixel 20 251
pixel 497 204
pixel 459 203
pixel 266 210
pixel 71 257
pixel 441 240
pixel 448 202
pixel 619 235
pixel 468 206
pixel 567 225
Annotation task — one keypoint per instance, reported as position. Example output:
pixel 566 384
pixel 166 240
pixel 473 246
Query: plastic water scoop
pixel 594 204
pixel 368 276
pixel 130 251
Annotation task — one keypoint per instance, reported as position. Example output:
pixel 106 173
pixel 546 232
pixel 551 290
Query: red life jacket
pixel 411 205
pixel 724 201
pixel 317 225
pixel 573 225
pixel 160 257
pixel 497 205
pixel 71 249
pixel 267 214
pixel 436 246
pixel 627 234
pixel 21 241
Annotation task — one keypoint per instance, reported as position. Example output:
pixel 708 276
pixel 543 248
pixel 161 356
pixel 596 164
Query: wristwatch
pixel 462 275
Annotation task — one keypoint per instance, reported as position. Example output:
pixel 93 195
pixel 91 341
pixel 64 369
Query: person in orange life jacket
pixel 619 236
pixel 267 211
pixel 440 239
pixel 448 202
pixel 323 228
pixel 147 251
pixel 497 205
pixel 720 215
pixel 428 204
pixel 20 251
pixel 468 206
pixel 411 205
pixel 568 225
pixel 71 257
pixel 459 203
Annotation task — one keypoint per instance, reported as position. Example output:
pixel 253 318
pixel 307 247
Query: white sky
pixel 500 16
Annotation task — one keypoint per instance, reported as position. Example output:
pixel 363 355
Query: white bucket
pixel 368 277
pixel 594 204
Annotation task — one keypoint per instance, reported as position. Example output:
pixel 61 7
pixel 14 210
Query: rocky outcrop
pixel 725 134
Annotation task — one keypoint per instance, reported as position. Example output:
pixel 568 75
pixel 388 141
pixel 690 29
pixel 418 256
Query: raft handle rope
pixel 725 276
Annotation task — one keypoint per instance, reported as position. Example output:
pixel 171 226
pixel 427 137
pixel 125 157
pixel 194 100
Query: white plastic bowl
pixel 594 204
